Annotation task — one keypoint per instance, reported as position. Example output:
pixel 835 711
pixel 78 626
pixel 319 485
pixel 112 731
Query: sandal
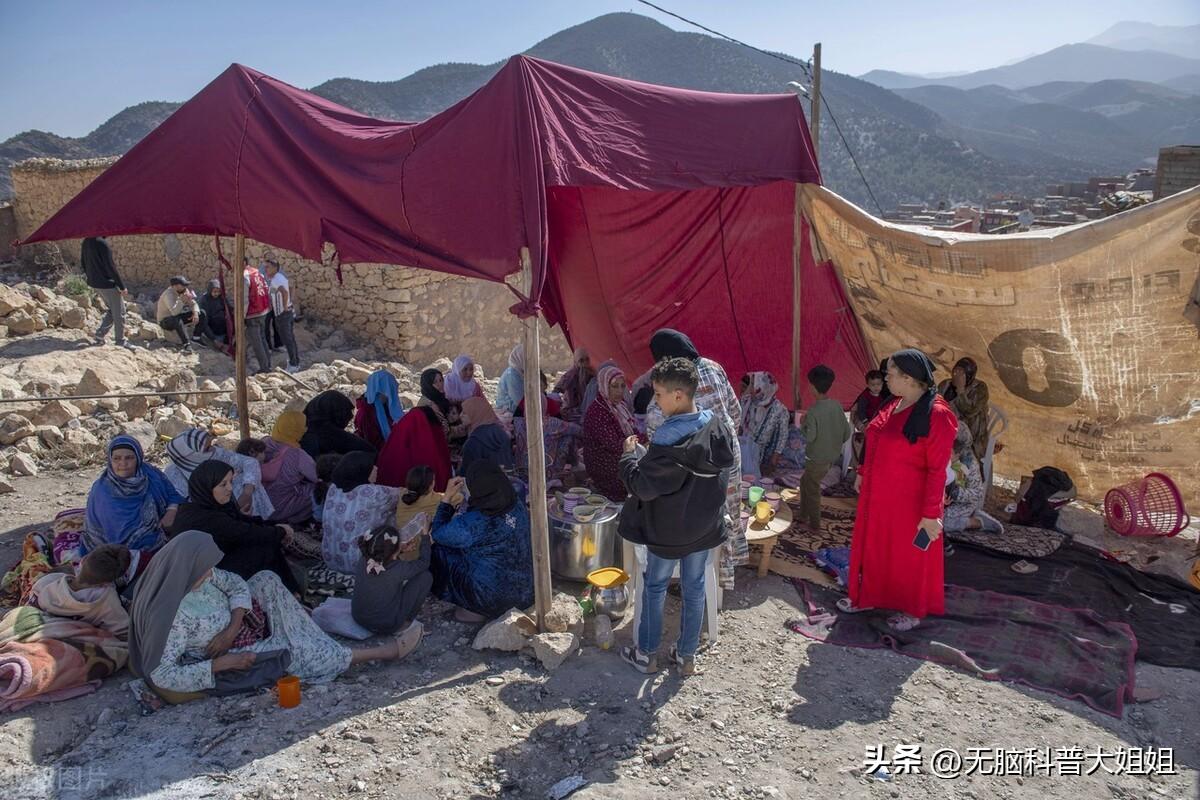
pixel 409 639
pixel 1024 567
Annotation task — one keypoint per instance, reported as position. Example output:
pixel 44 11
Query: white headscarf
pixel 457 390
pixel 516 359
pixel 760 398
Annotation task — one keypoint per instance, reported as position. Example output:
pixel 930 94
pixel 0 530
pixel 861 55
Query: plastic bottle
pixel 603 631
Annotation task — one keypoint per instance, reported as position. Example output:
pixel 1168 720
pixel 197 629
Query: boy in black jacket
pixel 676 508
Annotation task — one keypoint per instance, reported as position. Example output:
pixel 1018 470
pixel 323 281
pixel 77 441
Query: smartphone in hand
pixel 922 541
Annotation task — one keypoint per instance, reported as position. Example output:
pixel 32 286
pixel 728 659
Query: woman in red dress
pixel 901 489
pixel 418 439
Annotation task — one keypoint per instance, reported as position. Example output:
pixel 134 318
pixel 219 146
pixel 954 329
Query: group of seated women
pixel 212 572
pixel 410 502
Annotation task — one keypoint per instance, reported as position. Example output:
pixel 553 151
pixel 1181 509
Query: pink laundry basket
pixel 1151 506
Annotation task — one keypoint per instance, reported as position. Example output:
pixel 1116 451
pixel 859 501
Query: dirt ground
pixel 772 715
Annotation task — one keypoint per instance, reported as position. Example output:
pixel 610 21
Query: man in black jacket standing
pixel 96 257
pixel 676 508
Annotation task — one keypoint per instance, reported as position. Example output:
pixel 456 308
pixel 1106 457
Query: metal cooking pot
pixel 577 548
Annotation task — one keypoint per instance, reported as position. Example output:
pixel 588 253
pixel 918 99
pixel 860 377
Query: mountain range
pixel 926 140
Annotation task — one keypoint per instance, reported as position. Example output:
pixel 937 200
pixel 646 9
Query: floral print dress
pixel 347 516
pixel 206 612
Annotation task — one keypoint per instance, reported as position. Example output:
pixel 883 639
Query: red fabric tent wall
pixel 713 263
pixel 663 206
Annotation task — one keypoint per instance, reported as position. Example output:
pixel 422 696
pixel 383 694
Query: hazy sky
pixel 71 64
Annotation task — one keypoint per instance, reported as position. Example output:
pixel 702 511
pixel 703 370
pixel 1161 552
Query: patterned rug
pixel 1017 540
pixel 1070 652
pixel 792 555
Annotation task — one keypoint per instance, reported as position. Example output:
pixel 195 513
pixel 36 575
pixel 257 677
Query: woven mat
pixel 791 556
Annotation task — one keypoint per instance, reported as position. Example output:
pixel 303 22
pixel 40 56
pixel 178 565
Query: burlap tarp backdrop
pixel 1080 332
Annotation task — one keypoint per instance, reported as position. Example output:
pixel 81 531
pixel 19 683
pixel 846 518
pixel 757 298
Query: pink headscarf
pixel 620 411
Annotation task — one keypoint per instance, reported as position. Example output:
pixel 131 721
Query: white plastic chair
pixel 997 425
pixel 635 556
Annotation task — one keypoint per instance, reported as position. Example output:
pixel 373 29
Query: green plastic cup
pixel 755 494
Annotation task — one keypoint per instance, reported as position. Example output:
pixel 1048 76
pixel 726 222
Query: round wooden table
pixel 767 535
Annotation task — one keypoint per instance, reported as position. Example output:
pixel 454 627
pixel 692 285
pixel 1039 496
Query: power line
pixel 787 60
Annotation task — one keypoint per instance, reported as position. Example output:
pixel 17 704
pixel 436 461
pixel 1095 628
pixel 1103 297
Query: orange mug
pixel 288 688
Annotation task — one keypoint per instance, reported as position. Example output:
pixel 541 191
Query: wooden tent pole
pixel 239 333
pixel 815 122
pixel 797 255
pixel 539 528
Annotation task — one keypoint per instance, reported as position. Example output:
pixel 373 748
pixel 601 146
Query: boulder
pixel 12 300
pixel 74 318
pixel 22 464
pixel 254 392
pixel 31 445
pixel 80 442
pixel 135 406
pixel 91 383
pixel 145 333
pixel 357 374
pixel 6 487
pixel 142 431
pixel 50 436
pixel 43 295
pixel 180 381
pixel 56 413
pixel 184 413
pixel 509 632
pixel 22 323
pixel 552 649
pixel 170 427
pixel 205 400
pixel 14 428
pixel 442 365
pixel 564 615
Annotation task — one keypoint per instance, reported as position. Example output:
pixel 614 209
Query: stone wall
pixel 410 315
pixel 1178 169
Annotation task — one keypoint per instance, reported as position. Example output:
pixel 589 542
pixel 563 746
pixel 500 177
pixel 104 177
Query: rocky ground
pixel 46 350
pixel 772 714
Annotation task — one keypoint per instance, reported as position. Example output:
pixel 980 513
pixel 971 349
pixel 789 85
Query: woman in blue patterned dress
pixel 482 559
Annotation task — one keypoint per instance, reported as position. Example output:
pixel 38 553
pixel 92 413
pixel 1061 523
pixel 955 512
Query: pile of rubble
pixel 26 309
pixel 72 430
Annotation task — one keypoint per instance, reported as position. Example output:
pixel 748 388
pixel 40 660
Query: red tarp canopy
pixel 642 205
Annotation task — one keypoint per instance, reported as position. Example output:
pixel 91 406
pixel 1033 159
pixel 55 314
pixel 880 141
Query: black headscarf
pixel 886 394
pixel 492 493
pixel 917 366
pixel 329 409
pixel 968 366
pixel 432 393
pixel 353 470
pixel 669 343
pixel 203 480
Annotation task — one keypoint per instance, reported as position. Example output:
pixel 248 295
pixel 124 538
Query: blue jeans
pixel 654 595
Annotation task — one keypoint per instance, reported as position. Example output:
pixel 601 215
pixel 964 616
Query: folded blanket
pixel 43 657
pixel 46 671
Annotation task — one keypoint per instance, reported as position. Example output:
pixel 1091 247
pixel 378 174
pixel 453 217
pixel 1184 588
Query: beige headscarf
pixel 478 411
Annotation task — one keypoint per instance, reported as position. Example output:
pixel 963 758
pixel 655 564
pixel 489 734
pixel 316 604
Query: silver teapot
pixel 612 601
